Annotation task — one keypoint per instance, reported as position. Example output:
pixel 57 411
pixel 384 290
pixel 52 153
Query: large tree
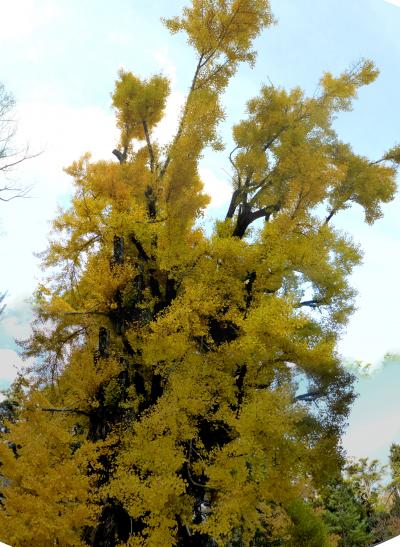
pixel 165 407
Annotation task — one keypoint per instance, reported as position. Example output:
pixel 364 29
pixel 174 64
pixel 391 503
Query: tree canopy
pixel 164 408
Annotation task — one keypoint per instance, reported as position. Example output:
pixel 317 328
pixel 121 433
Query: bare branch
pixel 309 303
pixel 141 252
pixel 310 396
pixel 121 155
pixel 247 217
pixel 234 164
pixel 18 192
pixel 233 204
pixel 9 156
pixel 8 166
pixel 333 212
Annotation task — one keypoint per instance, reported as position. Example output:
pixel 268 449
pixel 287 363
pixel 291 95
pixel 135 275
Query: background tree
pixel 358 507
pixel 394 485
pixel 9 155
pixel 164 408
pixel 353 501
pixel 385 521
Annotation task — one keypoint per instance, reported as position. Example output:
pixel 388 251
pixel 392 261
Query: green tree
pixel 385 522
pixel 307 528
pixel 359 508
pixel 164 407
pixel 346 516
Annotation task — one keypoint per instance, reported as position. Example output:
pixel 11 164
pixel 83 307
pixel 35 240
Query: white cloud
pixel 393 2
pixel 65 133
pixel 21 18
pixel 218 189
pixel 10 364
pixel 11 326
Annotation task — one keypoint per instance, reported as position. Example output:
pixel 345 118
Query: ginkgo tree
pixel 167 403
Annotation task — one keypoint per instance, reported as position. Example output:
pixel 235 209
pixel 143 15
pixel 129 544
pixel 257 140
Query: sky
pixel 61 64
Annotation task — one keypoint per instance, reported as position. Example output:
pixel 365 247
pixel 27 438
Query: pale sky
pixel 61 63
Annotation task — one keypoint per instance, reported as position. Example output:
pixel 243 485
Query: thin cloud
pixel 393 2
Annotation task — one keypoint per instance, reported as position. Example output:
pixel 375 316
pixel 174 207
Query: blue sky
pixel 61 63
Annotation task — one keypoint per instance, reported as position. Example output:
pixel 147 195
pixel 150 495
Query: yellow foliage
pixel 47 495
pixel 164 403
pixel 138 102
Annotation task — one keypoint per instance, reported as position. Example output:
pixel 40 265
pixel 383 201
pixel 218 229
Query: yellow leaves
pixel 265 418
pixel 363 182
pixel 138 101
pixel 47 495
pixel 251 163
pixel 78 169
pixel 107 179
pixel 102 280
pixel 222 33
pixel 272 113
pixel 341 88
pixel 289 155
pixel 367 73
pixel 393 154
pixel 146 478
pixel 339 91
pixel 58 306
pixel 184 200
pixel 271 321
pixel 246 474
pixel 83 377
pixel 215 27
